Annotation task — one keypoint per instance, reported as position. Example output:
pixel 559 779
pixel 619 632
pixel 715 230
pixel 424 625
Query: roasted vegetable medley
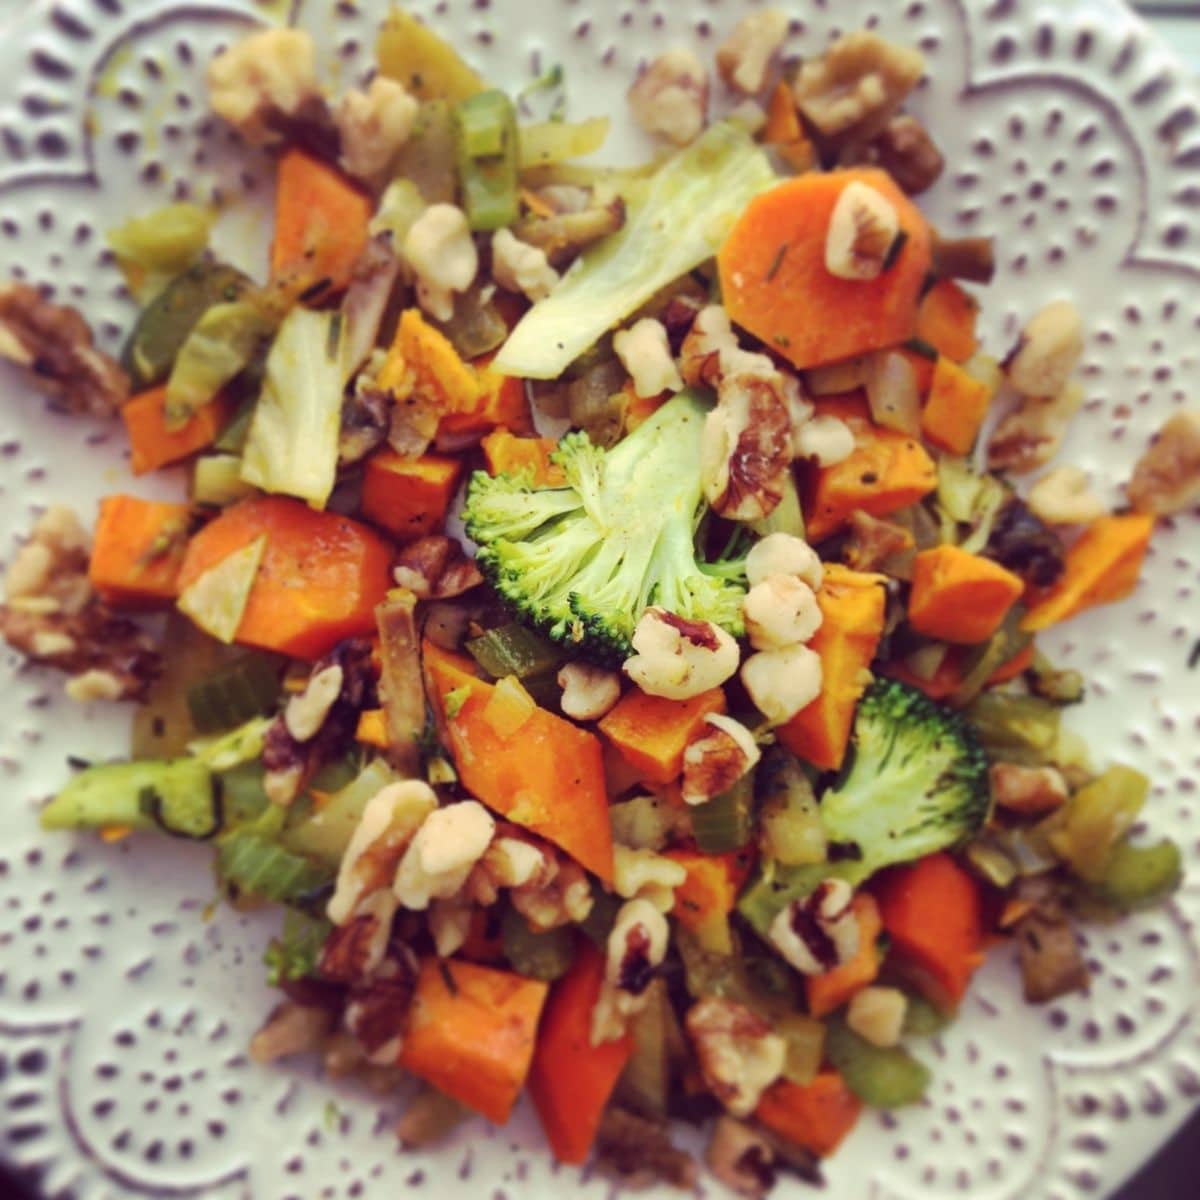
pixel 604 613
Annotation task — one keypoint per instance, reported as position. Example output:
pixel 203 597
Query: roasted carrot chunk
pixel 946 320
pixel 138 551
pixel 956 407
pixel 651 733
pixel 507 454
pixel 816 1117
pixel 152 445
pixel 958 596
pixel 471 1033
pixel 776 284
pixel 320 578
pixel 321 223
pixel 571 1079
pixel 852 605
pixel 545 773
pixel 1102 567
pixel 933 913
pixel 887 471
pixel 409 497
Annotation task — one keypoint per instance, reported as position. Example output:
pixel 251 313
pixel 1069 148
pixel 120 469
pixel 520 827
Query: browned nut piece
pixel 746 448
pixel 1028 790
pixel 744 58
pixel 908 154
pixel 670 97
pixel 853 90
pixel 54 346
pixel 1166 479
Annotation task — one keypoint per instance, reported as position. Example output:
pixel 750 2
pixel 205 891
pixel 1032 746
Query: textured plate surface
pixel 125 1009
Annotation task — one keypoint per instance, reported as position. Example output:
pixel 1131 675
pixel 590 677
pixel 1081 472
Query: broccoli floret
pixel 583 561
pixel 916 783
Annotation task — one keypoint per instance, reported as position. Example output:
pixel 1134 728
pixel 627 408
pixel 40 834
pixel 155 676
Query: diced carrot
pixel 321 223
pixel 816 1117
pixel 958 596
pixel 372 729
pixel 152 445
pixel 548 776
pixel 852 605
pixel 471 1033
pixel 776 286
pixel 115 833
pixel 946 320
pixel 1102 567
pixel 933 912
pixel 422 361
pixel 886 472
pixel 507 454
pixel 784 131
pixel 571 1080
pixel 834 988
pixel 707 895
pixel 501 401
pixel 957 405
pixel 652 732
pixel 409 497
pixel 319 582
pixel 138 550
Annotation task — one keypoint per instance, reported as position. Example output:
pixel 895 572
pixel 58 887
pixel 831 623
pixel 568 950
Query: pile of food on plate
pixel 697 778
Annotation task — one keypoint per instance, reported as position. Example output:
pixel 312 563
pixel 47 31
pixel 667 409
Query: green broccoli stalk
pixel 583 561
pixel 916 782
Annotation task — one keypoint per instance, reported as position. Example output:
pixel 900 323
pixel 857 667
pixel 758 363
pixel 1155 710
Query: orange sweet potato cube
pixel 409 497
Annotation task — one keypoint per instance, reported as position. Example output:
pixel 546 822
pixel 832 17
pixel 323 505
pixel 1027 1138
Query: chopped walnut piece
pixel 906 152
pixel 739 1054
pixel 1061 497
pixel 355 950
pixel 54 345
pixel 670 97
pixel 374 125
pixel 639 1153
pixel 744 57
pixel 854 89
pixel 873 542
pixel 1048 351
pixel 741 1158
pixel 564 899
pixel 819 932
pixel 264 83
pixel 52 616
pixel 862 230
pixel 1027 790
pixel 747 447
pixel 376 1013
pixel 1030 435
pixel 1166 479
pixel 720 753
pixel 436 568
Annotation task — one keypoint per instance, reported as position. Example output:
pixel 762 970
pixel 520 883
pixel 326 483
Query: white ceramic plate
pixel 124 1009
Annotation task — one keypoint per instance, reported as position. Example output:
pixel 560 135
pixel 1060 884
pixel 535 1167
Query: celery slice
pixel 217 599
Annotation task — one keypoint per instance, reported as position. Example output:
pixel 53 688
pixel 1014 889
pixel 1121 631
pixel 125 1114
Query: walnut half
pixel 54 345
